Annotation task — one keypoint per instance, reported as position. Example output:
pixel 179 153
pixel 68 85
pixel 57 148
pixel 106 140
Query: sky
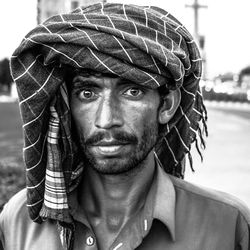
pixel 224 23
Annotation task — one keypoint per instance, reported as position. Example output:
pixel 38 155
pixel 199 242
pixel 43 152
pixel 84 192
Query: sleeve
pixel 1 230
pixel 244 244
pixel 243 230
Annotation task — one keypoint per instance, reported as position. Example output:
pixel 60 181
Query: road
pixel 226 164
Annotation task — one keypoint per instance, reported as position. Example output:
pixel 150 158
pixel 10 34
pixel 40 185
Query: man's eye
pixel 86 95
pixel 134 92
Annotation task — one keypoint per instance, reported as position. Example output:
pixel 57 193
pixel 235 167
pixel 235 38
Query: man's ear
pixel 169 106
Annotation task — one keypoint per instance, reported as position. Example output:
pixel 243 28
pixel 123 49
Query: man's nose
pixel 109 114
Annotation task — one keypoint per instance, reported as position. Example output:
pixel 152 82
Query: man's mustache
pixel 117 136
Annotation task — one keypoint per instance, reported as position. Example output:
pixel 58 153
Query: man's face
pixel 116 121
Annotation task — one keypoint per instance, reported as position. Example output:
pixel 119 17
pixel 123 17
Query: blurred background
pixel 221 29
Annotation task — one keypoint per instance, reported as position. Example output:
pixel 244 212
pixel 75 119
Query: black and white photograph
pixel 124 124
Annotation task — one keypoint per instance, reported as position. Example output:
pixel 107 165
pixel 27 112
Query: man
pixel 110 103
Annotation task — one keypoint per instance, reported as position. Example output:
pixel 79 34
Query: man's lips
pixel 109 148
pixel 110 143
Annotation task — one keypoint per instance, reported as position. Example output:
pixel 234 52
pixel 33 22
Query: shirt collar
pixel 160 203
pixel 164 205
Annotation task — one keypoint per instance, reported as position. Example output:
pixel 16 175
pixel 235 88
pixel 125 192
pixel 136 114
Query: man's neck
pixel 109 201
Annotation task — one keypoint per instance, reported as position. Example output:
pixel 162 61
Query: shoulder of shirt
pixel 15 206
pixel 216 196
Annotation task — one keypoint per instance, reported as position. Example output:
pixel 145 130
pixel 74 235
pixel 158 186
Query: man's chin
pixel 113 166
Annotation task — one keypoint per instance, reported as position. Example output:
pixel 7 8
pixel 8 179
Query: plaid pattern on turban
pixel 146 45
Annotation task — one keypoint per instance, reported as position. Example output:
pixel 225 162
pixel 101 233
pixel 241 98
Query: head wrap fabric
pixel 146 45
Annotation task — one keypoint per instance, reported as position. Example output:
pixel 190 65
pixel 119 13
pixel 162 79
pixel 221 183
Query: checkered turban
pixel 145 45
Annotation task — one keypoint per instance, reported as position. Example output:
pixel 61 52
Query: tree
pixel 5 75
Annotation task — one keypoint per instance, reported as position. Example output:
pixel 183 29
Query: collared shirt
pixel 177 215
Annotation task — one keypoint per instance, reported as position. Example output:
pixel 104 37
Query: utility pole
pixel 199 38
pixel 38 17
pixel 196 6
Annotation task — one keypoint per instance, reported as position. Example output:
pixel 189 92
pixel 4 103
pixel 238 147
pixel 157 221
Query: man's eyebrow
pixel 82 81
pixel 123 81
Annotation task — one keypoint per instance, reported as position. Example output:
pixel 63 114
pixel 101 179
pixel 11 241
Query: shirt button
pixel 90 241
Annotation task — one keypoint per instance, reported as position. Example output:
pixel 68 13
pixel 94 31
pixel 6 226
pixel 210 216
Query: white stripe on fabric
pixel 53 173
pixel 53 33
pixel 179 26
pixel 54 179
pixel 145 44
pixel 183 143
pixel 52 190
pixel 165 28
pixel 27 69
pixel 124 11
pixel 156 37
pixel 184 115
pixel 24 125
pixel 180 42
pixel 158 160
pixel 136 31
pixel 168 129
pixel 163 16
pixel 182 75
pixel 38 217
pixel 166 59
pixel 32 187
pixel 50 185
pixel 41 88
pixel 45 45
pixel 193 129
pixel 55 199
pixel 54 205
pixel 88 22
pixel 188 68
pixel 197 77
pixel 102 8
pixel 130 59
pixel 172 43
pixel 101 61
pixel 197 111
pixel 33 144
pixel 146 18
pixel 156 65
pixel 170 149
pixel 111 22
pixel 34 204
pixel 196 60
pixel 42 25
pixel 62 17
pixel 87 35
pixel 190 93
pixel 28 169
pixel 152 78
pixel 64 93
pixel 199 93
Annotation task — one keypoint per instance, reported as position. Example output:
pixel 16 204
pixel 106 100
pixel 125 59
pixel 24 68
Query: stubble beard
pixel 129 162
